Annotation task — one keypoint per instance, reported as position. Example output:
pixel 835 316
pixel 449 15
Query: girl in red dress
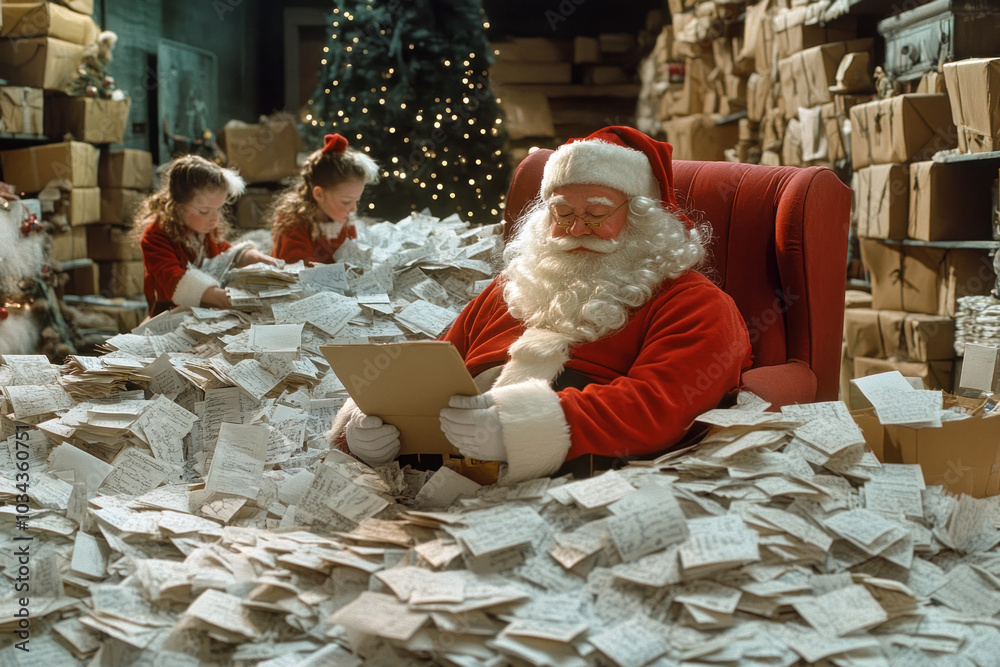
pixel 312 218
pixel 180 226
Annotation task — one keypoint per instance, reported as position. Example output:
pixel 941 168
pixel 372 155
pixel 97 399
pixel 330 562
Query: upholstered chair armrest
pixel 785 384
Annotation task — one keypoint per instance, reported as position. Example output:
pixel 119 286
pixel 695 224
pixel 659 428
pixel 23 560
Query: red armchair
pixel 778 248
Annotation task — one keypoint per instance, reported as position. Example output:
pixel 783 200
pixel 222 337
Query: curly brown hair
pixel 295 204
pixel 186 176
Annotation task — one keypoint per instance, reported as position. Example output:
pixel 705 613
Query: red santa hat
pixel 619 157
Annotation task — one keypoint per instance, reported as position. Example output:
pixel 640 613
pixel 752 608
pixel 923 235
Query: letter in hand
pixel 371 440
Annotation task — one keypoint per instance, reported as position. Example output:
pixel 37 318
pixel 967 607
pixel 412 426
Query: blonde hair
pixel 186 177
pixel 327 170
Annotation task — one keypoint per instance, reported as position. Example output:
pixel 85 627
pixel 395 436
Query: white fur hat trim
pixel 598 162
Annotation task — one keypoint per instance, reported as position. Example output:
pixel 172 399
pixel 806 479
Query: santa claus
pixel 598 337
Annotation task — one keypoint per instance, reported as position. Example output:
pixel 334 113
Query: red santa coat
pixel 295 243
pixel 679 355
pixel 168 279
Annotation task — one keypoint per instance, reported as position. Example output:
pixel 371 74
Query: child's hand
pixel 215 297
pixel 253 256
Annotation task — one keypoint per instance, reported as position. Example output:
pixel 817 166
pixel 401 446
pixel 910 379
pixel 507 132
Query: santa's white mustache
pixel 567 243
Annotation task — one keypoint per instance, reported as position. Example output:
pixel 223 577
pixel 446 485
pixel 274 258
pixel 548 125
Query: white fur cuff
pixel 535 432
pixel 192 286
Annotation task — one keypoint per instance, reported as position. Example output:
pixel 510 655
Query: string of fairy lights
pixel 434 140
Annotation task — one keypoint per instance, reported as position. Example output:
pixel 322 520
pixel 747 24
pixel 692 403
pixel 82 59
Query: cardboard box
pixel 950 202
pixel 517 72
pixel 921 279
pixel 38 19
pixel 586 50
pixel 128 168
pixel 82 6
pixel 962 456
pixel 854 298
pixel 932 82
pixel 981 368
pixel 39 62
pixel 793 32
pixel 21 110
pixel 758 31
pixel 121 278
pixel 934 374
pixel 265 151
pixel 892 333
pixel 30 169
pixel 91 119
pixel 81 206
pixel 882 198
pixel 900 129
pixel 534 50
pixel 698 137
pixel 83 281
pixel 974 90
pixel 111 243
pixel 806 76
pixel 69 245
pixel 758 92
pixel 253 207
pixel 527 112
pixel 791 145
pixel 119 205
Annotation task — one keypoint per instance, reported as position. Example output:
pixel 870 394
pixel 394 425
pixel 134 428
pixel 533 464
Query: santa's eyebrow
pixel 556 200
pixel 600 200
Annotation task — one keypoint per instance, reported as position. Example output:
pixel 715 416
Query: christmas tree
pixel 408 82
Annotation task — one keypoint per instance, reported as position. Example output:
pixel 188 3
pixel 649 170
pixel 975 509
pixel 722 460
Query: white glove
pixel 472 424
pixel 370 440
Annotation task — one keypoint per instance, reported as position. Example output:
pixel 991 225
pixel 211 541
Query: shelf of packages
pixel 22 137
pixel 982 245
pixel 972 157
pixel 72 264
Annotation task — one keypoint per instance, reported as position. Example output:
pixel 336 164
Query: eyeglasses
pixel 591 221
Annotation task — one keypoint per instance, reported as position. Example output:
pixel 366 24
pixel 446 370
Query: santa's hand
pixel 472 424
pixel 370 440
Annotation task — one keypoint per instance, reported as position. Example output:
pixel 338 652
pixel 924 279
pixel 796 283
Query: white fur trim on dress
pixel 539 354
pixel 339 425
pixel 535 432
pixel 600 163
pixel 192 286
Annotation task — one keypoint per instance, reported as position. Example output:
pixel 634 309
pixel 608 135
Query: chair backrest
pixel 778 247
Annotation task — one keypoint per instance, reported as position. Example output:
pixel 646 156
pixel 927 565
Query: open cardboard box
pixel 962 456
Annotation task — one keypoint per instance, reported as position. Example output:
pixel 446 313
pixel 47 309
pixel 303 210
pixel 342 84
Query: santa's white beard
pixel 588 295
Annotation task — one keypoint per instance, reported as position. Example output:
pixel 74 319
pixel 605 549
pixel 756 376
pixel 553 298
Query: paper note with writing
pixel 238 463
pixel 135 473
pixel 653 521
pixel 718 541
pixel 85 467
pixel 164 379
pixel 380 615
pixel 325 277
pixel 842 611
pixel 35 400
pixel 276 338
pixel 423 316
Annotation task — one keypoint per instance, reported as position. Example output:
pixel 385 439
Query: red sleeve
pixel 694 351
pixel 484 329
pixel 164 263
pixel 294 243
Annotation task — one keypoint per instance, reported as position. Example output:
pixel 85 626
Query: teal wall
pixel 228 28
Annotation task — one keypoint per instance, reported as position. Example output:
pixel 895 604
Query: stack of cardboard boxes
pixel 552 90
pixel 81 187
pixel 41 47
pixel 900 193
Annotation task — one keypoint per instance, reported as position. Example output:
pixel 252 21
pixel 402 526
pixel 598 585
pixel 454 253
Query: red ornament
pixel 4 313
